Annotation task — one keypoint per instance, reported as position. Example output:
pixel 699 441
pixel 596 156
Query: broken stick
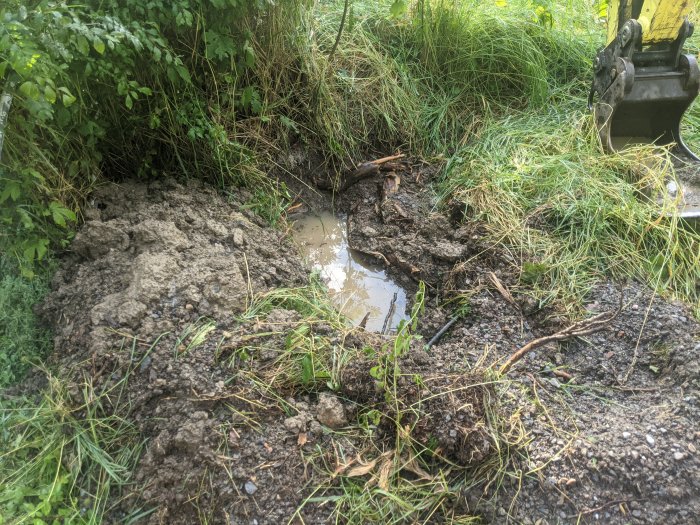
pixel 367 169
pixel 579 329
pixel 390 314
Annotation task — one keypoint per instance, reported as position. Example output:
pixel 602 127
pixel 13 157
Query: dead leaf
pixel 412 466
pixel 384 473
pixel 361 470
pixel 302 439
pixel 268 447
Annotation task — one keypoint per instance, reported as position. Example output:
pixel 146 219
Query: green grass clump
pixel 63 455
pixel 574 214
pixel 22 339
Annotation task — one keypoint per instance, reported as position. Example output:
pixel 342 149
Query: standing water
pixel 357 287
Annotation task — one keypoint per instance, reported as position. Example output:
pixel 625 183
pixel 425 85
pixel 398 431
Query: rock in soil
pixel 330 411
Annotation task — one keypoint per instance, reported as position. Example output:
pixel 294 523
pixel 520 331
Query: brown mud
pixel 613 441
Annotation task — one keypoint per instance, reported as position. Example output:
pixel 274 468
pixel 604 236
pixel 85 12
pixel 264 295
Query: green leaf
pixel 307 370
pixel 248 55
pixel 68 99
pixel 12 191
pixel 99 46
pixel 83 45
pixel 398 8
pixel 129 101
pixel 25 219
pixel 603 8
pixel 183 73
pixel 50 94
pixel 30 90
pixel 60 214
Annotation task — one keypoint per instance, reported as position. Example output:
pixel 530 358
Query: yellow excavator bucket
pixel 644 83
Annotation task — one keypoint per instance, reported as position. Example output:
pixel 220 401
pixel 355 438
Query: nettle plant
pixel 117 88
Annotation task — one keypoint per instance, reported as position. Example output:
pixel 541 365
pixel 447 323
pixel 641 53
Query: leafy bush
pixel 120 88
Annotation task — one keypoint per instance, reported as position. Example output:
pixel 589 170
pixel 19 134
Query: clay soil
pixel 609 422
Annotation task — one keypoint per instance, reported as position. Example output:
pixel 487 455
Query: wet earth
pixel 609 422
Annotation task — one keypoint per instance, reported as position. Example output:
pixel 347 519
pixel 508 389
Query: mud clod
pixel 330 411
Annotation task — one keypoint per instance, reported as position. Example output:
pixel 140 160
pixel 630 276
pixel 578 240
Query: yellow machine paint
pixel 661 20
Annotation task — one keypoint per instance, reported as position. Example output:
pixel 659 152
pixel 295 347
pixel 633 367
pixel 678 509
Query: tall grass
pixel 541 184
pixel 423 81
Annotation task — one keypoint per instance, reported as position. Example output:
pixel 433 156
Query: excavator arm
pixel 644 83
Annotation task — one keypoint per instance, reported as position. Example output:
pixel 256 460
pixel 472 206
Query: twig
pixel 601 507
pixel 390 313
pixel 633 363
pixel 503 290
pixel 562 374
pixel 579 329
pixel 441 332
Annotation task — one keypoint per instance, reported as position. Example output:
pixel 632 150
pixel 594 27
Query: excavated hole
pixel 358 287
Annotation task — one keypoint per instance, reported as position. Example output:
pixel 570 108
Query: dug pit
pixel 360 288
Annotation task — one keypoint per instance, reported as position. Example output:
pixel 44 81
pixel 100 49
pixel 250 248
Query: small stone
pixel 501 511
pixel 692 448
pixel 651 440
pixel 635 454
pixel 626 435
pixel 189 307
pixel 237 237
pixel 331 412
pixel 453 433
pixel 678 456
pixel 250 488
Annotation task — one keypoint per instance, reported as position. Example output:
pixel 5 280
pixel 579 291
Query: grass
pixel 306 356
pixel 22 338
pixel 574 215
pixel 64 456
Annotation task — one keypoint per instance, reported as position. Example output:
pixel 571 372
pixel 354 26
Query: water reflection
pixel 357 286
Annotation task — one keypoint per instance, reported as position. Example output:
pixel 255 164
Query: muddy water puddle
pixel 357 287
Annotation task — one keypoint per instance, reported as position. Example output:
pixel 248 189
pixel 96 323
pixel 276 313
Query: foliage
pixel 22 339
pixel 116 88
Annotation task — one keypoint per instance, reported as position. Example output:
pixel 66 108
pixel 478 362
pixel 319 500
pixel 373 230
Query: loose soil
pixel 610 422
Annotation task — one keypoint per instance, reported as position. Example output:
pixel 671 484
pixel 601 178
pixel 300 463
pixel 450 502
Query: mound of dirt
pixel 157 262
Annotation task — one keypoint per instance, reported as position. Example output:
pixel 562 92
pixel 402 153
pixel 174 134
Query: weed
pixel 193 336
